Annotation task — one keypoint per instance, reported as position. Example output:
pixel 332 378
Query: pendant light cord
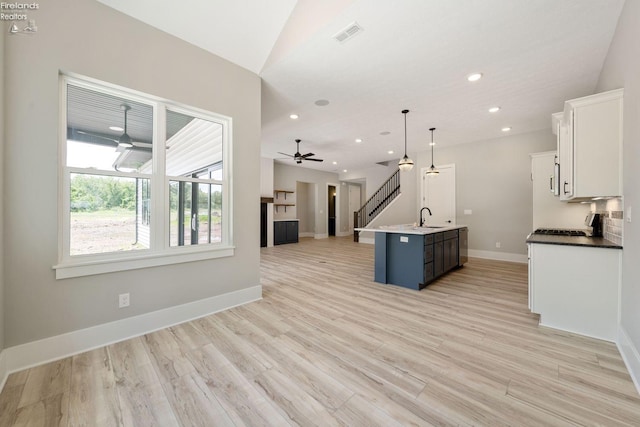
pixel 405 131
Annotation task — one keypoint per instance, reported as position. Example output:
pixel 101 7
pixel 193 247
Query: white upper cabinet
pixel 548 210
pixel 590 146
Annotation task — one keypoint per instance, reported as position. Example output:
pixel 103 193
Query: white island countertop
pixel 412 228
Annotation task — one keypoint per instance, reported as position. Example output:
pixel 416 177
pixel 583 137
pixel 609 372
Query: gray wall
pixel 493 180
pixel 286 177
pixel 622 69
pixel 2 169
pixel 304 207
pixel 88 38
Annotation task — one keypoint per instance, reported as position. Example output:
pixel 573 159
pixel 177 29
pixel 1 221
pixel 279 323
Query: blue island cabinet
pixel 415 260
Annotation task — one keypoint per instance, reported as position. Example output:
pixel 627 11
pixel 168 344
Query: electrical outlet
pixel 498 244
pixel 468 211
pixel 123 300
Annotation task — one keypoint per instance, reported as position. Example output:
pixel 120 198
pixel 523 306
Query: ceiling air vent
pixel 348 32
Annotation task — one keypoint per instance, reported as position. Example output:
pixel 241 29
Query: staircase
pixel 376 203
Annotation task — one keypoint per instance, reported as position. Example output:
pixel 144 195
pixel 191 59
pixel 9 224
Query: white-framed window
pixel 143 181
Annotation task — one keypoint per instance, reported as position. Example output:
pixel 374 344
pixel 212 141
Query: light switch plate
pixel 468 211
pixel 404 239
pixel 628 214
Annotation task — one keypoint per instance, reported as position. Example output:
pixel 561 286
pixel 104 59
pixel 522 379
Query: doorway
pixel 331 210
pixel 439 194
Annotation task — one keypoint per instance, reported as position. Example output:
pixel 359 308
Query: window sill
pixel 87 268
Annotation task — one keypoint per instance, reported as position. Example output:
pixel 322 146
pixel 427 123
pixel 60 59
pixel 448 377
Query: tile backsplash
pixel 612 227
pixel 613 219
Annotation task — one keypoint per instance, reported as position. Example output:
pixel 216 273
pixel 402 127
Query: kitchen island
pixel 411 256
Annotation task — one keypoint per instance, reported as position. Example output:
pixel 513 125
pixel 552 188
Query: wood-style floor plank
pixel 328 346
pixel 93 400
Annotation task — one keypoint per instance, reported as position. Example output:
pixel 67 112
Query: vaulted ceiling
pixel 408 54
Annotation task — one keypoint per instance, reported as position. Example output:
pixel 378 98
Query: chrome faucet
pixel 421 218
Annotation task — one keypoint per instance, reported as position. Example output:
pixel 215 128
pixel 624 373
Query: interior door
pixel 439 195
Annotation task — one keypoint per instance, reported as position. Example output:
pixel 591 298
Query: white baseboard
pixel 4 372
pixel 344 233
pixel 630 355
pixel 367 240
pixel 35 353
pixel 321 236
pixel 498 256
pixel 306 234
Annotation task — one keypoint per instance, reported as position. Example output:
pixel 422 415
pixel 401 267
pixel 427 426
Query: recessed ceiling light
pixel 344 170
pixel 293 116
pixel 358 140
pixel 116 128
pixel 335 163
pixel 321 102
pixel 385 133
pixel 390 152
pixel 474 77
pixel 506 129
pixel 494 109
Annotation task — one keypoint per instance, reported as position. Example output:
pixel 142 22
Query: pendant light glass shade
pixel 432 172
pixel 405 164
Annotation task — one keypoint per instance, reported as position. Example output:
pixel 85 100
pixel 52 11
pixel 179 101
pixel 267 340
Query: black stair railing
pixel 376 203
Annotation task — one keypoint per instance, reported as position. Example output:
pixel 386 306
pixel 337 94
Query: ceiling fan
pixel 124 142
pixel 300 157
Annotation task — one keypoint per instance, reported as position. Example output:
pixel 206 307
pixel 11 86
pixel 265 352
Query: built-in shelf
pixel 285 192
pixel 285 205
pixel 282 204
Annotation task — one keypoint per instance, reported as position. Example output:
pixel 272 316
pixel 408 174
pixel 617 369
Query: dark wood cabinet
pixel 450 256
pixel 285 232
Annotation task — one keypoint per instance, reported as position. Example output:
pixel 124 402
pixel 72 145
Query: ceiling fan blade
pixel 307 155
pixel 95 135
pixel 285 154
pixel 313 160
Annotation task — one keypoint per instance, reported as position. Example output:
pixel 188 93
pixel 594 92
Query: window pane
pixel 105 215
pixel 216 214
pixel 195 213
pixel 193 144
pixel 96 136
pixel 180 218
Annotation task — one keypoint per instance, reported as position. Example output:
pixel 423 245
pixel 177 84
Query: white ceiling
pixel 412 54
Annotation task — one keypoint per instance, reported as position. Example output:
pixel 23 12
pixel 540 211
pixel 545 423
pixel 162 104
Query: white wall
pixel 403 209
pixel 622 69
pixel 304 208
pixel 372 177
pixel 266 177
pixel 286 177
pixel 2 169
pixel 88 38
pixel 493 180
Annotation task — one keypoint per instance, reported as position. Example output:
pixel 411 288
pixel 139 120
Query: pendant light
pixel 432 172
pixel 405 164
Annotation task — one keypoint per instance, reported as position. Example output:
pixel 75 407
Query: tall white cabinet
pixel 590 146
pixel 548 210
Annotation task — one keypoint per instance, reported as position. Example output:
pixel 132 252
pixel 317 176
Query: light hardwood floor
pixel 328 346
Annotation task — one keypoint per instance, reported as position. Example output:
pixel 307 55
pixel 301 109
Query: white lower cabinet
pixel 576 288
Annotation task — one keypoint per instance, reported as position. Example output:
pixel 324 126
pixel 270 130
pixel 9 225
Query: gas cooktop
pixel 559 232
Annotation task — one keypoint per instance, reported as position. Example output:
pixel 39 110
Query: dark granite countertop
pixel 595 242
